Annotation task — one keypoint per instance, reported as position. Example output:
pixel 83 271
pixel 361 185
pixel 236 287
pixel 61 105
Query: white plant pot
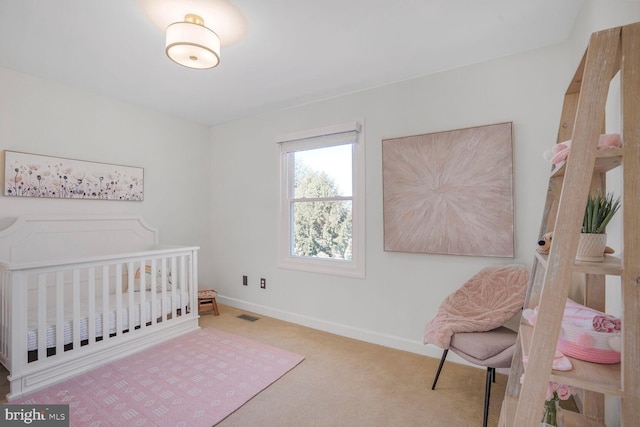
pixel 591 247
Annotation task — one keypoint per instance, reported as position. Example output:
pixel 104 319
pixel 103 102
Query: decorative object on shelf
pixel 589 334
pixel 544 244
pixel 560 362
pixel 34 175
pixel 597 214
pixel 591 247
pixel 586 334
pixel 559 153
pixel 450 192
pixel 552 416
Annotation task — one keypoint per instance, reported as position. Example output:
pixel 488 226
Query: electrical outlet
pixel 263 283
pixel 245 281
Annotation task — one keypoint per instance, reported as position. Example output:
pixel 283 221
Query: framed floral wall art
pixel 34 175
pixel 450 192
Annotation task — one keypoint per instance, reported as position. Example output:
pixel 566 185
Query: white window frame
pixel 319 138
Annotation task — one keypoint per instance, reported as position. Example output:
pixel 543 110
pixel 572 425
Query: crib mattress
pixel 162 307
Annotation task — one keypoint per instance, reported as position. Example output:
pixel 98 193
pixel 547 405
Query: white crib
pixel 79 292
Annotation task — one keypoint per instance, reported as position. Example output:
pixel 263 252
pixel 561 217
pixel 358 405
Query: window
pixel 322 200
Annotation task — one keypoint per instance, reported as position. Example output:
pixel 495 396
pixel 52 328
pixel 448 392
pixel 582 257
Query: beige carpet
pixel 348 383
pixel 345 382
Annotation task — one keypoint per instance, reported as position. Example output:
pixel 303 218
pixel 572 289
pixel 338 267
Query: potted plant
pixel 597 214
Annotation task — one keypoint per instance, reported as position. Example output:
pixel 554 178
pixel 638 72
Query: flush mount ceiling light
pixel 191 44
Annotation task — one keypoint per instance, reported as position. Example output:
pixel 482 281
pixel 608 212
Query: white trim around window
pixel 347 133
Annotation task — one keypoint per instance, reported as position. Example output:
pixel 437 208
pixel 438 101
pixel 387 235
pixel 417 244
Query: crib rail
pixel 79 314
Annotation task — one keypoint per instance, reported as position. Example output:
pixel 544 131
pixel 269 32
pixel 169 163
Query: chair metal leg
pixel 491 374
pixel 444 356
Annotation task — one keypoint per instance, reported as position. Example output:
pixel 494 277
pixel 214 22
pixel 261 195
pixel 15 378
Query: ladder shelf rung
pixel 606 160
pixel 611 265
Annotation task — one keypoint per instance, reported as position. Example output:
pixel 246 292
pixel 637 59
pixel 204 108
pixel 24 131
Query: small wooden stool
pixel 208 297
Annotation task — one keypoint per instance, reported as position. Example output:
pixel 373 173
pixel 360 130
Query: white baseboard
pixel 369 336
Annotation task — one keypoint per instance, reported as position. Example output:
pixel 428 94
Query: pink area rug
pixel 194 380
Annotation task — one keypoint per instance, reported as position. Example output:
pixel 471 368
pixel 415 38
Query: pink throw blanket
pixel 484 302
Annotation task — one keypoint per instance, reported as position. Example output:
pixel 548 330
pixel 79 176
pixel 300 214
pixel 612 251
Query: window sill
pixel 332 267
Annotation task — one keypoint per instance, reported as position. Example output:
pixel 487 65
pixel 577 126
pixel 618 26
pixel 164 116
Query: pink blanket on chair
pixel 484 302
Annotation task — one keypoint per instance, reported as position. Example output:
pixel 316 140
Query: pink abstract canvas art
pixel 450 192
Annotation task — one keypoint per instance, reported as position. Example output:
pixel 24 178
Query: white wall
pixel 41 117
pixel 401 292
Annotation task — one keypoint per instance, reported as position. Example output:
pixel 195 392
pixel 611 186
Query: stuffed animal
pixel 560 151
pixel 544 244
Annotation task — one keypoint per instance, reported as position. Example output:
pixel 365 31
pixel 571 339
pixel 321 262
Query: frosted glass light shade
pixel 192 44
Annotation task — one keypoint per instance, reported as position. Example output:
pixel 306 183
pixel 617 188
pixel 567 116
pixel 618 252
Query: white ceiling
pixel 294 51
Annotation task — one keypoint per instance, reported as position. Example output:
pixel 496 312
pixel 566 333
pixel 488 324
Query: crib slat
pixel 5 300
pixel 143 287
pixel 105 303
pixel 42 316
pixel 91 321
pixel 189 284
pixel 174 275
pixel 59 312
pixel 163 280
pixel 119 312
pixel 130 290
pixel 18 357
pixel 193 284
pixel 106 316
pixel 154 284
pixel 183 281
pixel 76 309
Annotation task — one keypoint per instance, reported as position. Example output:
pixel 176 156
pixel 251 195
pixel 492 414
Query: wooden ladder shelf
pixel 612 51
